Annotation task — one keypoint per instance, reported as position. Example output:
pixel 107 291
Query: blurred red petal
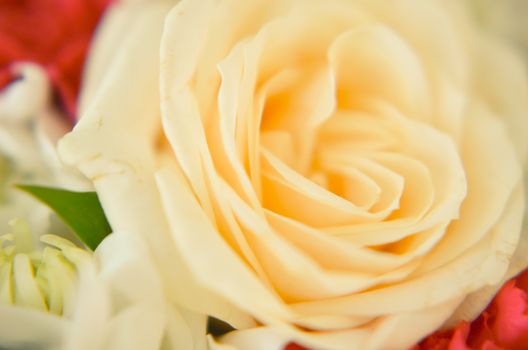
pixel 6 76
pixel 510 326
pixel 502 326
pixel 447 340
pixel 53 33
pixel 488 345
pixel 458 342
pixel 293 346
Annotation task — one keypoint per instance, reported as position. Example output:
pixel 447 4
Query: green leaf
pixel 81 211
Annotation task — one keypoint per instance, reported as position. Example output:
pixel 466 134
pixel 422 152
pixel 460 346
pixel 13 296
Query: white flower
pixel 347 173
pixel 122 305
pixel 37 287
pixel 40 279
pixel 59 298
pixel 29 129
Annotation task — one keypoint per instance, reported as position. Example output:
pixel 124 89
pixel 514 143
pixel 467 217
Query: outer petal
pixel 121 305
pixel 21 327
pixel 124 176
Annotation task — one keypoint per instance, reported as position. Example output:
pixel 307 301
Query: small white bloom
pixel 37 286
pixel 122 305
pixel 42 279
pixel 114 301
pixel 29 128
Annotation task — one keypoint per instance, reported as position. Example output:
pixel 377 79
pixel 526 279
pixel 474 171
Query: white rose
pixel 345 172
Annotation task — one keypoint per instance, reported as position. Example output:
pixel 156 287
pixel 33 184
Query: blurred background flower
pixel 52 33
pixel 505 17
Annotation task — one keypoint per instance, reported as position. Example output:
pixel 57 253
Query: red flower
pixel 293 346
pixel 502 326
pixel 52 33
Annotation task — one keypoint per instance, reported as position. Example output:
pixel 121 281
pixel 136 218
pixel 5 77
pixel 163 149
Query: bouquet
pixel 263 174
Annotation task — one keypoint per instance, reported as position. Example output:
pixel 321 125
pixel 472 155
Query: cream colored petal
pixel 20 100
pixel 234 100
pixel 449 101
pixel 260 338
pixel 91 313
pixel 17 142
pixel 178 333
pixel 138 327
pixel 519 259
pixel 26 289
pixel 437 35
pixel 182 285
pixel 418 194
pixel 212 344
pixel 22 327
pixel 180 53
pixel 445 169
pixel 325 323
pixel 365 129
pixel 501 82
pixel 492 172
pixel 423 142
pixel 287 189
pixel 122 306
pixel 229 147
pixel 117 100
pixel 441 37
pixel 217 266
pixel 185 330
pixel 435 288
pixel 294 274
pixel 472 266
pixel 113 29
pixel 332 252
pixel 396 332
pixel 354 185
pixel 181 123
pixel 505 233
pixel 389 178
pixel 125 260
pixel 301 108
pixel 408 329
pixel 60 278
pixel 201 163
pixel 287 33
pixel 499 262
pixel 122 167
pixel 286 148
pixel 280 144
pixel 375 61
pixel 75 255
pixel 6 289
pixel 204 30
